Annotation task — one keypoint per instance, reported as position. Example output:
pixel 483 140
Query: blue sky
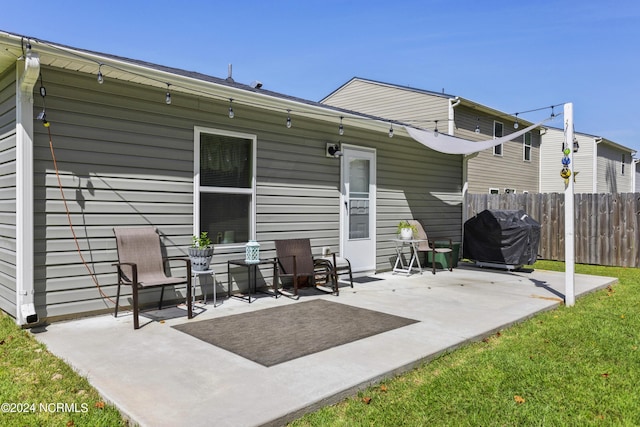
pixel 510 55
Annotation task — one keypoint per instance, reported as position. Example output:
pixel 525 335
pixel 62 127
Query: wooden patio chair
pixel 141 266
pixel 430 245
pixel 294 260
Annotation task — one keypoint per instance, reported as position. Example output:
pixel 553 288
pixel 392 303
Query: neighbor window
pixel 494 191
pixel 224 185
pixel 497 133
pixel 624 160
pixel 526 154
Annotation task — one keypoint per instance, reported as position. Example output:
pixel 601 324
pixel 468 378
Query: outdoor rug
pixel 279 334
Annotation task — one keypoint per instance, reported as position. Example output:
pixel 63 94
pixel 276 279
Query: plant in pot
pixel 406 230
pixel 201 252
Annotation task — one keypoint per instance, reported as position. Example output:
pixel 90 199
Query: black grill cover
pixel 508 237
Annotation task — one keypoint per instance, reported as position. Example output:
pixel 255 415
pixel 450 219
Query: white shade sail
pixel 451 145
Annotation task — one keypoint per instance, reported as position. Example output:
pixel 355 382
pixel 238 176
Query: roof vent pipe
pixel 230 73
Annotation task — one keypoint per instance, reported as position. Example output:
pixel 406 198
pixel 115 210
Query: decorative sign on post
pixel 252 252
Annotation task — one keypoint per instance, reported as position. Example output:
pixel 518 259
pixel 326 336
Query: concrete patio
pixel 158 376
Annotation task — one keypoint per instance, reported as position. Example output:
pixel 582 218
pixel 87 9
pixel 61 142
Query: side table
pixel 400 266
pixel 253 273
pixel 196 274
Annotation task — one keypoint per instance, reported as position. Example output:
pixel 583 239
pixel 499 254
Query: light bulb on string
pixel 100 76
pixel 516 125
pixel 341 128
pixel 288 119
pixel 391 130
pixel 478 126
pixel 231 113
pixel 435 131
pixel 167 97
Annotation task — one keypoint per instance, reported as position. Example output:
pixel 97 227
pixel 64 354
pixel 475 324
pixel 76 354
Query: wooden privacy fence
pixel 607 227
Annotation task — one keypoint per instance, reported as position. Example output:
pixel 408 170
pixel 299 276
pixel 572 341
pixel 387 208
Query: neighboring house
pixel 126 158
pixel 510 167
pixel 599 165
pixel 636 176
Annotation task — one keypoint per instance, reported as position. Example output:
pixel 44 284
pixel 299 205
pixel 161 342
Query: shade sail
pixel 451 145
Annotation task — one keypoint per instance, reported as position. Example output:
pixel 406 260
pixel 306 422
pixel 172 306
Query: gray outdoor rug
pixel 279 334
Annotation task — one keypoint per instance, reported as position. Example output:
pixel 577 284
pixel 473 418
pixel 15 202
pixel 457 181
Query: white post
pixel 569 218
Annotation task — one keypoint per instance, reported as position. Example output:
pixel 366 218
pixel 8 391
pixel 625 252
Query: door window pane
pixel 359 199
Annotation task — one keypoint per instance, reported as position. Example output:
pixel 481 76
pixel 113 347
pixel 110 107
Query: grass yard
pixel 573 366
pixel 38 389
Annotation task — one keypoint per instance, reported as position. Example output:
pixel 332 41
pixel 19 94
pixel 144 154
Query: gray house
pixel 602 165
pixel 506 168
pixel 131 143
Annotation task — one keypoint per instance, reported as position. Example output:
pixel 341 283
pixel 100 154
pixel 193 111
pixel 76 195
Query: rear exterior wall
pixel 125 158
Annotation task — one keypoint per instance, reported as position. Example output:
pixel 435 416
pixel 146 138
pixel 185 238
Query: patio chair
pixel 141 266
pixel 294 260
pixel 341 266
pixel 427 245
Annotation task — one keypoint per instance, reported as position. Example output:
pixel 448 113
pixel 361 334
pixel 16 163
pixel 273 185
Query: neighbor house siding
pixel 610 177
pixel 8 192
pixel 597 166
pixel 551 163
pixel 485 170
pixel 393 103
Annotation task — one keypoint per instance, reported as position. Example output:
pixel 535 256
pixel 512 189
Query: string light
pixel 231 113
pixel 100 77
pixel 390 130
pixel 516 125
pixel 435 131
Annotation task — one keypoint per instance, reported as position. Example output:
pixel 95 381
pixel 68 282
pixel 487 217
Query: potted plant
pixel 406 230
pixel 201 252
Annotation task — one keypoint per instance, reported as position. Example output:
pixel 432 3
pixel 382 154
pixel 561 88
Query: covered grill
pixel 501 238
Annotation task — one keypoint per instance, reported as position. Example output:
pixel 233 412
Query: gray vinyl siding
pixel 393 103
pixel 8 192
pixel 126 158
pixel 485 170
pixel 597 165
pixel 551 163
pixel 610 177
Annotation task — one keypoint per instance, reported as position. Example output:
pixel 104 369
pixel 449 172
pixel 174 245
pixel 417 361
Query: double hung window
pixel 224 185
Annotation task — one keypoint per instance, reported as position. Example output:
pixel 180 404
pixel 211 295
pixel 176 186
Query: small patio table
pixel 400 266
pixel 253 273
pixel 196 274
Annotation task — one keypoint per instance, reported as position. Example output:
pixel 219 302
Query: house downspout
pixel 26 79
pixel 453 103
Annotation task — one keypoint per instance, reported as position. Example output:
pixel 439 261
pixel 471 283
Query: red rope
pixel 66 207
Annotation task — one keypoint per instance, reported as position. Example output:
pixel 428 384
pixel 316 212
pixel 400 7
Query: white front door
pixel 358 218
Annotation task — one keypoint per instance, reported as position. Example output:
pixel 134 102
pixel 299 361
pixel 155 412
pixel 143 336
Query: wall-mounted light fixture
pixel 333 150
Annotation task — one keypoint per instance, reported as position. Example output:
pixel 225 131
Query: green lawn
pixel 38 389
pixel 573 366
